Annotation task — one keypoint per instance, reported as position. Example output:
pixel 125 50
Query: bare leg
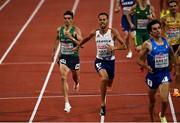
pixel 152 100
pixel 76 78
pixel 164 92
pixel 64 71
pixel 128 44
pixel 103 87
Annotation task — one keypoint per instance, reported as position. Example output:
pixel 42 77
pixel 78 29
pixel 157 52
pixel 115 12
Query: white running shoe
pixel 163 119
pixel 67 107
pixel 129 55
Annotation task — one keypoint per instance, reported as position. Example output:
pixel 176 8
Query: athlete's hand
pixel 132 26
pixel 109 47
pixel 150 70
pixel 68 35
pixel 117 9
pixel 150 17
pixel 75 48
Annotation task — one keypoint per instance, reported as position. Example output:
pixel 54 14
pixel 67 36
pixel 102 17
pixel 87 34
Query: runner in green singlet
pixel 68 35
pixel 144 13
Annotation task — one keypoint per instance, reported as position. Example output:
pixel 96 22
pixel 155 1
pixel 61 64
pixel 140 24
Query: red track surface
pixel 23 72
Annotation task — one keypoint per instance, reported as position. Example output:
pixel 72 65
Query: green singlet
pixel 141 23
pixel 66 44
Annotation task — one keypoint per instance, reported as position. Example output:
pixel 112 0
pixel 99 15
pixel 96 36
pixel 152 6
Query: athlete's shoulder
pixel 113 30
pixel 60 27
pixel 76 27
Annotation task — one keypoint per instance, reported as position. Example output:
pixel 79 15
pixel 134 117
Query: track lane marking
pixel 49 73
pixel 4 4
pixel 73 96
pixel 47 63
pixel 21 31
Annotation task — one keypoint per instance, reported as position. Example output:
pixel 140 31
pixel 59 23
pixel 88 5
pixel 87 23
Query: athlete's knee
pixel 104 79
pixel 63 78
pixel 164 99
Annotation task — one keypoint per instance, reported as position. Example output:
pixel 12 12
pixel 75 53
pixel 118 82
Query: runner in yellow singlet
pixel 171 25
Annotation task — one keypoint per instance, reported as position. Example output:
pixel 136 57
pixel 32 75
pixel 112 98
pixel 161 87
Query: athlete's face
pixel 67 20
pixel 173 7
pixel 103 21
pixel 156 30
pixel 144 2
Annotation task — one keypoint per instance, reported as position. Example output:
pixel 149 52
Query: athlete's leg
pixel 133 36
pixel 176 92
pixel 64 72
pixel 164 92
pixel 152 101
pixel 126 37
pixel 76 78
pixel 103 85
pixel 128 44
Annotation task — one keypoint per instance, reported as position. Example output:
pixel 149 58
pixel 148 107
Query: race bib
pixel 161 60
pixel 126 10
pixel 66 48
pixel 103 53
pixel 142 23
pixel 173 35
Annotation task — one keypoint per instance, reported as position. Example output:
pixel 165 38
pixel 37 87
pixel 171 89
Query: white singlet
pixel 101 44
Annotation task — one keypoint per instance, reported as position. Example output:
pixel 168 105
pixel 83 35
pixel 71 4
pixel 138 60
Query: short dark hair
pixel 68 12
pixel 171 1
pixel 149 25
pixel 103 13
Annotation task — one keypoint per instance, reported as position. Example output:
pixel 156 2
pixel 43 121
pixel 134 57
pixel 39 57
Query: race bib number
pixel 66 48
pixel 142 23
pixel 126 10
pixel 173 35
pixel 104 54
pixel 161 61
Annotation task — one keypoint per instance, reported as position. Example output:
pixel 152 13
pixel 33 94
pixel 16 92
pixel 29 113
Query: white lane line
pixel 49 74
pixel 47 63
pixel 111 13
pixel 4 4
pixel 172 108
pixel 102 118
pixel 73 96
pixel 21 31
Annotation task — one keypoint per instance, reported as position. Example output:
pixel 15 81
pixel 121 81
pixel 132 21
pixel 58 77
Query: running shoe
pixel 176 93
pixel 163 119
pixel 103 111
pixel 129 55
pixel 67 107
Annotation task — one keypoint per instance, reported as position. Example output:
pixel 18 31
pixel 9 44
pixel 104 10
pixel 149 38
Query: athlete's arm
pixel 55 44
pixel 76 37
pixel 163 25
pixel 143 55
pixel 117 6
pixel 117 36
pixel 153 15
pixel 78 34
pixel 131 12
pixel 172 56
pixel 86 39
